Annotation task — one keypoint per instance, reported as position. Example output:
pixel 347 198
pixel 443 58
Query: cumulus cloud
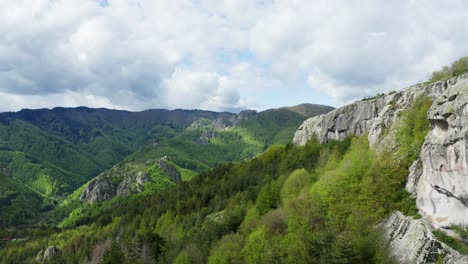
pixel 357 48
pixel 219 55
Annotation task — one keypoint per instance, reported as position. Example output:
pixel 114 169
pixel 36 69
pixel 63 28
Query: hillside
pixel 340 194
pixel 437 163
pixel 51 153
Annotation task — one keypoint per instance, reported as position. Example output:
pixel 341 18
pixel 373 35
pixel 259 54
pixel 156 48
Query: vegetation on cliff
pixel 314 204
pixel 457 68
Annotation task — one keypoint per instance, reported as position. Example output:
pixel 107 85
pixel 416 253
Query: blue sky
pixel 222 55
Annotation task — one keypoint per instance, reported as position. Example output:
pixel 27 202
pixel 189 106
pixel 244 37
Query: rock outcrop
pixel 99 190
pixel 48 255
pixel 124 179
pixel 169 170
pixel 412 241
pixel 442 188
pixel 439 179
pixel 7 172
pixel 370 116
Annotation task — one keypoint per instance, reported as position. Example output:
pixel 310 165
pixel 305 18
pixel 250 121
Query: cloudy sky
pixel 220 55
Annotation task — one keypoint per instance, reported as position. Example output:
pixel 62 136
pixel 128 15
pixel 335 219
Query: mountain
pixel 436 160
pixel 377 181
pixel 49 154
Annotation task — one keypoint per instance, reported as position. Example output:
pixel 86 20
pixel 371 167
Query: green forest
pixel 52 153
pixel 320 203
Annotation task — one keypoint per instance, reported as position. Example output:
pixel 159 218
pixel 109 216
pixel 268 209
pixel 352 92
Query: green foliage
pixel 413 128
pixel 314 204
pixel 183 258
pixel 269 196
pixel 114 255
pixel 259 248
pixel 53 152
pixel 458 244
pixel 295 183
pixel 228 250
pixel 369 98
pixel 457 68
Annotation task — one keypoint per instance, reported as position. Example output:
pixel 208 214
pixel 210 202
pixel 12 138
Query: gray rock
pixel 205 137
pixel 7 172
pixel 141 179
pixel 101 189
pixel 442 190
pixel 169 170
pixel 51 253
pixel 48 255
pixel 40 256
pixel 246 115
pixel 412 241
pixel 125 187
pixel 439 179
pixel 368 116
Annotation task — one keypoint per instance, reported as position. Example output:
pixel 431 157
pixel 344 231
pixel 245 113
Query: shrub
pixel 457 68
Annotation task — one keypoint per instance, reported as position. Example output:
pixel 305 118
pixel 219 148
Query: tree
pixel 114 255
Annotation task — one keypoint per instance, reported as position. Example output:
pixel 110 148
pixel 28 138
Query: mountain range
pixel 48 154
pixel 381 180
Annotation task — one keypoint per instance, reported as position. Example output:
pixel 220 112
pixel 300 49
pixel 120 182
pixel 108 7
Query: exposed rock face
pixel 442 190
pixel 40 256
pixel 205 137
pixel 367 116
pixel 246 115
pixel 6 172
pixel 101 189
pixel 124 179
pixel 439 179
pixel 412 241
pixel 49 254
pixel 169 170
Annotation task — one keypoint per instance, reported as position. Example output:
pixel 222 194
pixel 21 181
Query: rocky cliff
pixel 439 179
pixel 126 178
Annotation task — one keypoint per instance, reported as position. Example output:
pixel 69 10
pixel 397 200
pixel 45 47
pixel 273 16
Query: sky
pixel 221 55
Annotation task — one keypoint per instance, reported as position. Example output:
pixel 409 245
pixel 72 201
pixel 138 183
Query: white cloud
pixel 357 48
pixel 219 55
pixel 206 90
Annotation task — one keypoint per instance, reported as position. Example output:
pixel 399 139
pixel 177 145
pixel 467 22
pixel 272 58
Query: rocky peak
pixel 99 190
pixel 370 116
pixel 123 179
pixel 438 180
pixel 246 115
pixel 126 178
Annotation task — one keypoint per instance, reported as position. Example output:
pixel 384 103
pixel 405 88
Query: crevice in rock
pixel 453 97
pixel 462 199
pixel 440 123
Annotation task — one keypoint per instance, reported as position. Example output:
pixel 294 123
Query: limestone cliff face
pixel 439 179
pixel 442 188
pixel 368 116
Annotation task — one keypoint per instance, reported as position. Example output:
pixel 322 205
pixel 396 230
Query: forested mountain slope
pixel 341 195
pixel 48 154
pixel 437 178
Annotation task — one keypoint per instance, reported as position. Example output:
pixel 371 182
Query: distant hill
pixel 309 110
pixel 52 152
